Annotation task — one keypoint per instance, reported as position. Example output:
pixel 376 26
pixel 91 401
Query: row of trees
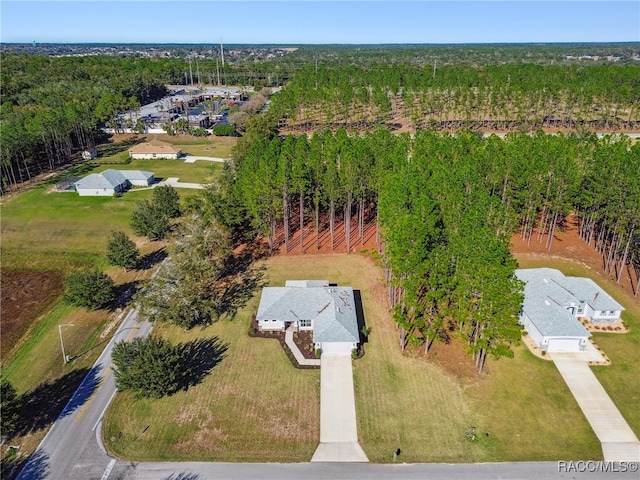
pixel 513 97
pixel 446 206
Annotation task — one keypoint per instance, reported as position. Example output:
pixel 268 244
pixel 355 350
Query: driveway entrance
pixel 619 443
pixel 338 430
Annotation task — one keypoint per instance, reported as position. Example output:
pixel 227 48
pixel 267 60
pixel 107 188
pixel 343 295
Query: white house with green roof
pixel 553 303
pixel 315 305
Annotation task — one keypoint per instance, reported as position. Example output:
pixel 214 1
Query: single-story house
pixel 154 149
pixel 553 303
pixel 328 311
pixel 111 181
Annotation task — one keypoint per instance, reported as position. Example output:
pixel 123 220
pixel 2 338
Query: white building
pixel 328 311
pixel 111 181
pixel 553 303
pixel 154 149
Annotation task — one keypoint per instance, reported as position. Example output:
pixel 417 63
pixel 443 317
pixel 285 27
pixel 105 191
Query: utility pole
pixel 190 72
pixel 218 68
pixel 65 359
pixel 221 51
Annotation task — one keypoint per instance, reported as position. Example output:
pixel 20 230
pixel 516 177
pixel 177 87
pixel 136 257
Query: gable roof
pixel 154 146
pixel 107 179
pixel 136 174
pixel 548 293
pixel 111 178
pixel 332 309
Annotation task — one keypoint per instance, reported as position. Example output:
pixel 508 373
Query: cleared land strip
pixel 619 443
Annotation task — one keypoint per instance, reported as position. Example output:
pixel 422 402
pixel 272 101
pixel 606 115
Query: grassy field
pixel 46 229
pixel 199 172
pixel 621 379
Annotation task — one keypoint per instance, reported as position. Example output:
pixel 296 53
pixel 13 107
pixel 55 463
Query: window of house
pixel 306 322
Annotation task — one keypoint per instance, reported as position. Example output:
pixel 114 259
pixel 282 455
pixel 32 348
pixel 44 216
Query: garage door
pixel 564 345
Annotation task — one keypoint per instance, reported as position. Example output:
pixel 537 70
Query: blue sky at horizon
pixel 320 22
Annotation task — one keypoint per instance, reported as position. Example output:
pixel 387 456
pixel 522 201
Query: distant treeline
pixel 521 97
pixel 51 107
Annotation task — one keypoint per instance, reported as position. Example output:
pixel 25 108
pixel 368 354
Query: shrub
pixel 222 130
pixel 89 288
pixel 149 367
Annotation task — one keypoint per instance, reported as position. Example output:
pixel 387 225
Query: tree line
pixel 445 207
pixel 493 97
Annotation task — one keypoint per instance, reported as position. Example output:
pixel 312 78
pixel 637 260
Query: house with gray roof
pixel 110 182
pixel 328 311
pixel 553 303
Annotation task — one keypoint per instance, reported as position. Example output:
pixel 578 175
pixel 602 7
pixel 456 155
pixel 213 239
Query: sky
pixel 319 22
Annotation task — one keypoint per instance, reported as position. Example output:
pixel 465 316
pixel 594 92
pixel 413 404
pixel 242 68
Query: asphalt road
pixel 369 471
pixel 71 450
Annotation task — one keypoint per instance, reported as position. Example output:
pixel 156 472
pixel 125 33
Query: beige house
pixel 154 149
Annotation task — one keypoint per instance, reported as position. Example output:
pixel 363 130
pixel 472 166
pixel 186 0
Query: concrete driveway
pixel 619 443
pixel 338 428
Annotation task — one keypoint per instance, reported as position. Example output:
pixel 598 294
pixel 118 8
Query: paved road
pixel 369 471
pixel 71 450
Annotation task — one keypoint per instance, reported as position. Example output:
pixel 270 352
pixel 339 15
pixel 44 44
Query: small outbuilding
pixel 154 149
pixel 328 311
pixel 553 303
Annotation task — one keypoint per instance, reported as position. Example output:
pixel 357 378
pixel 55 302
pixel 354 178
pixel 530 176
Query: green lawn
pixel 198 172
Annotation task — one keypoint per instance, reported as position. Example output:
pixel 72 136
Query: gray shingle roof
pixel 136 174
pixel 331 309
pixel 111 178
pixel 548 292
pixel 96 181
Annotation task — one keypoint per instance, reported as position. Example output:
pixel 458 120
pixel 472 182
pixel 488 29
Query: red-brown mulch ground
pixel 568 244
pixel 24 296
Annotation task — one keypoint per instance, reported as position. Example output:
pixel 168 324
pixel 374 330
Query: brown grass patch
pixel 25 295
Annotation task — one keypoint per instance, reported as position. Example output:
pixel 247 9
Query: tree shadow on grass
pixel 243 278
pixel 201 356
pixel 35 467
pixel 123 294
pixel 151 259
pixel 41 406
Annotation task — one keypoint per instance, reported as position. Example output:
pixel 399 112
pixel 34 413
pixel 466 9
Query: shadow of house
pixel 362 324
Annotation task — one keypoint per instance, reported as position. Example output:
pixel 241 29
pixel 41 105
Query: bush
pixel 90 288
pixel 10 408
pixel 199 132
pixel 149 367
pixel 222 130
pixel 167 201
